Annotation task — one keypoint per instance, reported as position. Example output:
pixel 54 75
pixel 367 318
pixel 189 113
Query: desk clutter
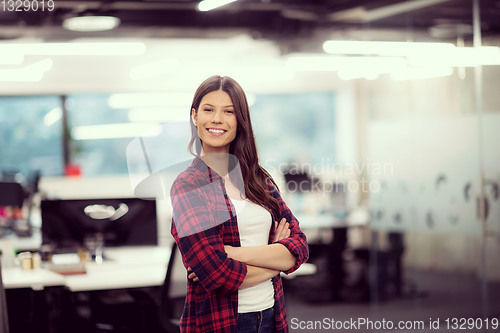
pixel 67 264
pixel 93 265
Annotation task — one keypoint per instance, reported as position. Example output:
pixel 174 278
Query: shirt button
pixel 235 233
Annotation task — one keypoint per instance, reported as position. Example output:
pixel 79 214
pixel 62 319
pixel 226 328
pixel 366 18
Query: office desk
pixel 54 309
pixel 132 267
pixel 15 278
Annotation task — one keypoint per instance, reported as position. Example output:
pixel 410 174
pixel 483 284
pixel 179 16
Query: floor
pixel 428 300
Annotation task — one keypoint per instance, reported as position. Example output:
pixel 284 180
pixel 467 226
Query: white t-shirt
pixel 254 224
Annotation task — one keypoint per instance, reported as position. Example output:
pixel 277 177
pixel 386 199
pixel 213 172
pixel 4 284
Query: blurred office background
pixel 379 120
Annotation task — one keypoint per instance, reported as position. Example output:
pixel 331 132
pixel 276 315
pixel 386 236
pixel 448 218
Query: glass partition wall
pixel 435 239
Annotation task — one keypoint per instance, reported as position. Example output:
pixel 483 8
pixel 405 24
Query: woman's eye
pixel 229 111
pixel 208 110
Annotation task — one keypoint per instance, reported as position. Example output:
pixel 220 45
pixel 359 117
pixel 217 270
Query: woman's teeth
pixel 216 131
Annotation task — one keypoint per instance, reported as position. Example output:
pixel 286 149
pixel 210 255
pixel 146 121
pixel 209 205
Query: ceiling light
pixel 91 23
pixel 334 63
pixel 30 73
pixel 207 5
pixel 383 48
pixel 75 49
pixel 460 57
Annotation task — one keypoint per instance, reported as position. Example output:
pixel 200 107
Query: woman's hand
pixel 192 275
pixel 282 230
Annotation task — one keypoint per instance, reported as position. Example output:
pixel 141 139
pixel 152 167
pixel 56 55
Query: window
pixel 31 133
pixel 294 128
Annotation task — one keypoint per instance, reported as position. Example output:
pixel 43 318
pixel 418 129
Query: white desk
pixel 14 277
pixel 130 267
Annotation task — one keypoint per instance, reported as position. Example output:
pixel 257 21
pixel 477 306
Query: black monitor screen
pixel 122 222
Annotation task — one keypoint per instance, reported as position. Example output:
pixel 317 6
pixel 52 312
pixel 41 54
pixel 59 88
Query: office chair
pixel 4 319
pixel 172 294
pixel 13 194
pixel 143 309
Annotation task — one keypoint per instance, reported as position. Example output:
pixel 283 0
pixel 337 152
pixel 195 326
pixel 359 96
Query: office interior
pixel 378 120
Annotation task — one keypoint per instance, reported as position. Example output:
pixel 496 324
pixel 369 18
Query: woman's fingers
pixel 192 275
pixel 282 231
pixel 277 233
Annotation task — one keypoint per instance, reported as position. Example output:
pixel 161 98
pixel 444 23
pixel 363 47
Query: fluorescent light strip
pixel 76 49
pixel 334 63
pixel 460 57
pixel 207 5
pixel 91 23
pixel 30 73
pixel 385 48
pixel 115 131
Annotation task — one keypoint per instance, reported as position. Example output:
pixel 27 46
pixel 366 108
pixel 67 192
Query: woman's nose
pixel 216 117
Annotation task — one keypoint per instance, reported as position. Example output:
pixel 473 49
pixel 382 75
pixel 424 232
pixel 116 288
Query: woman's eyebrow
pixel 227 106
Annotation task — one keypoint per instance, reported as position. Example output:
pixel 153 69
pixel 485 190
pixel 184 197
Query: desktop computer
pixel 69 225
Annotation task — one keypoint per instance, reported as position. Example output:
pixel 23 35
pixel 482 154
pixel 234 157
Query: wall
pixel 430 131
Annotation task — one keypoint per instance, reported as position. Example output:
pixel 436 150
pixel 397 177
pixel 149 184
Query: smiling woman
pixel 226 209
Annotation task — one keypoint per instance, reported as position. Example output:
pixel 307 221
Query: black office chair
pixel 4 319
pixel 172 294
pixel 14 195
pixel 143 309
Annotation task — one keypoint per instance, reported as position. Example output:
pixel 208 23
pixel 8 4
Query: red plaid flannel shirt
pixel 203 222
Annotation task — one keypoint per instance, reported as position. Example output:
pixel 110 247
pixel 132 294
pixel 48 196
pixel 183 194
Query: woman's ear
pixel 194 116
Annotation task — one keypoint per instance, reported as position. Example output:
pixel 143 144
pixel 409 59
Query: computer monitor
pixel 66 224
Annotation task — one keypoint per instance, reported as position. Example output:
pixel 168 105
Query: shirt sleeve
pixel 297 242
pixel 197 234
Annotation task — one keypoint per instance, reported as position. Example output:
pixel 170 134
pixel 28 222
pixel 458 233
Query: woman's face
pixel 216 121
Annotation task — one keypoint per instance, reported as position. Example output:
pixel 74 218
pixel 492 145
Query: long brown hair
pixel 243 146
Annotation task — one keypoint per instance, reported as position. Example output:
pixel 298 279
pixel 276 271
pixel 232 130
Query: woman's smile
pixel 216 131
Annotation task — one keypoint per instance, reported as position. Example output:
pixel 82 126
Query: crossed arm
pixel 263 262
